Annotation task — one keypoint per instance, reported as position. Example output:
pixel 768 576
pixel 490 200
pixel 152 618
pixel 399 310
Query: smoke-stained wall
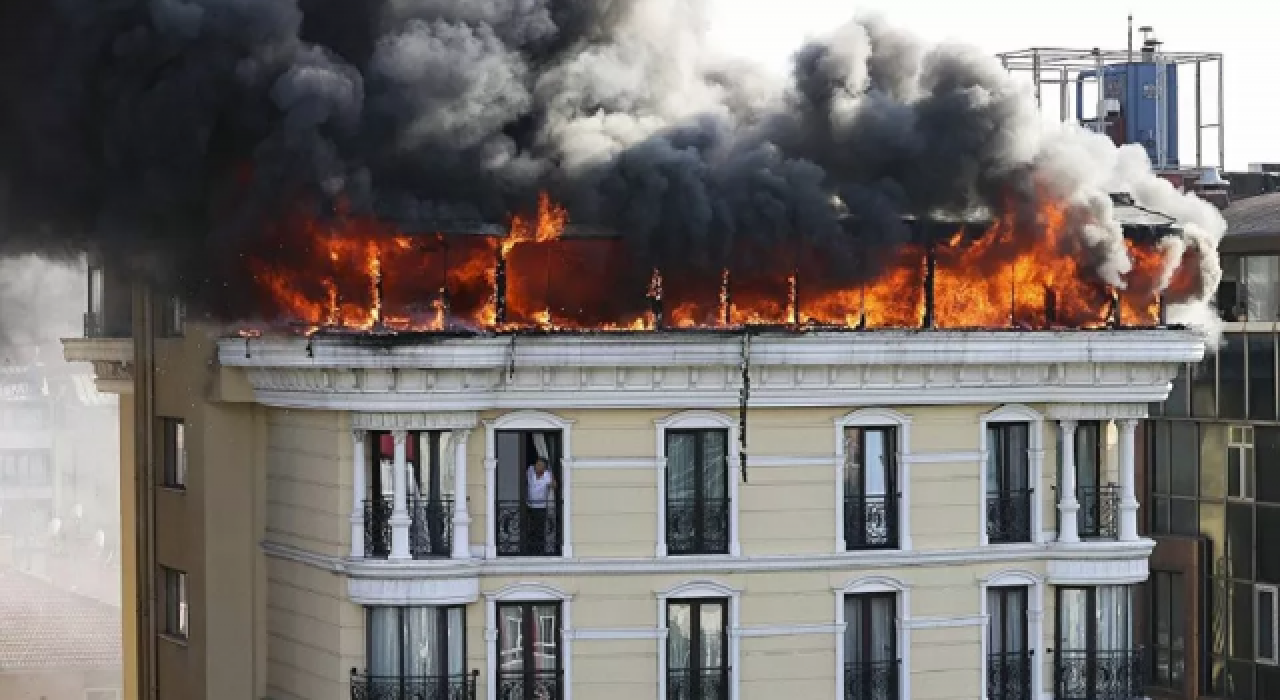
pixel 171 132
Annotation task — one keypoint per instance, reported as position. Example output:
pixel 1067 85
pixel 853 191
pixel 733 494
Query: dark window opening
pixel 529 658
pixel 697 650
pixel 1009 490
pixel 870 647
pixel 529 508
pixel 1167 629
pixel 697 499
pixel 870 488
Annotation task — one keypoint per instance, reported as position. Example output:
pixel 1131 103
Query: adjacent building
pixel 1212 479
pixel 942 515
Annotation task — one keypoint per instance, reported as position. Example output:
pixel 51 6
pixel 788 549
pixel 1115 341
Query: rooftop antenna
pixel 1130 38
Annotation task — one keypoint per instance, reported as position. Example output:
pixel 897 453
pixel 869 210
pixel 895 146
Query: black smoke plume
pixel 169 133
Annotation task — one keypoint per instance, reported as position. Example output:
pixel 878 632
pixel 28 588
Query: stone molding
pixel 112 360
pixel 456 420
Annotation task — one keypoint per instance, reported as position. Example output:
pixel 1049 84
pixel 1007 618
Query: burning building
pixel 533 350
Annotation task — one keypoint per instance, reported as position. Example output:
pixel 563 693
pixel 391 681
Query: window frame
pixel 528 618
pixel 175 462
pixel 1260 589
pixel 700 467
pixel 177 608
pixel 443 642
pixel 1242 445
pixel 538 421
pixel 695 607
pixel 703 589
pixel 1003 418
pixel 696 420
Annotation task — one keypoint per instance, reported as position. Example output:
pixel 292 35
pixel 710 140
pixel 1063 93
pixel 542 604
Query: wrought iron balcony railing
pixel 377 527
pixel 93 326
pixel 530 685
pixel 1099 511
pixel 1009 676
pixel 873 680
pixel 524 531
pixel 1009 516
pixel 698 683
pixel 430 527
pixel 870 522
pixel 697 525
pixel 1098 675
pixel 457 687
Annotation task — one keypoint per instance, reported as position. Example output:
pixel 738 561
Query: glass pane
pixel 1073 632
pixel 882 642
pixel 384 641
pixel 1178 405
pixel 1087 455
pixel 1213 460
pixel 679 635
pixel 510 470
pixel 1268 544
pixel 711 632
pixel 1242 621
pixel 457 641
pixel 1231 377
pixel 1261 285
pixel 1247 471
pixel 447 450
pixel 1233 472
pixel 421 641
pixel 1163 607
pixel 853 621
pixel 1183 462
pixel 1160 456
pixel 511 638
pixel 1262 376
pixel 1182 517
pixel 546 642
pixel 876 462
pixel 853 461
pixel 1213 526
pixel 1266 631
pixel 1204 386
pixel 1160 516
pixel 996 447
pixel 682 465
pixel 714 456
pixel 1240 540
pixel 996 621
pixel 1267 462
pixel 1114 617
pixel 1015 619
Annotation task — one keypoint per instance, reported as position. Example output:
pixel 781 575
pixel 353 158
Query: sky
pixel 767 31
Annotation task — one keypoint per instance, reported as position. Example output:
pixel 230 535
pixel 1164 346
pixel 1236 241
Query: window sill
pixel 173 489
pixel 175 639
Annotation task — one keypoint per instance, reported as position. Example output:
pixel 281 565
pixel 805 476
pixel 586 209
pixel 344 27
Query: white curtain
pixel 681 466
pixel 877 463
pixel 1114 617
pixel 714 470
pixel 679 636
pixel 457 651
pixel 448 446
pixel 1262 287
pixel 384 641
pixel 1073 635
pixel 711 628
pixel 540 446
pixel 422 635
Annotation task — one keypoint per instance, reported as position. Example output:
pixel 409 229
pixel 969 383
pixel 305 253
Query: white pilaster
pixel 1128 500
pixel 357 494
pixel 461 516
pixel 400 507
pixel 490 493
pixel 1068 506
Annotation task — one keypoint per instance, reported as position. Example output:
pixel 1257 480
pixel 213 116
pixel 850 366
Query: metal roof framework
pixel 1065 66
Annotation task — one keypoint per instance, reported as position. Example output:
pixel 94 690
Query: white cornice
pixel 456 420
pixel 703 371
pixel 112 360
pixel 1106 554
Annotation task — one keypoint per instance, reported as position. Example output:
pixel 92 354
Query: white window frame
pixel 1274 592
pixel 902 593
pixel 877 418
pixel 1015 413
pixel 1245 445
pixel 527 592
pixel 180 605
pixel 180 454
pixel 528 420
pixel 1035 622
pixel 701 589
pixel 697 420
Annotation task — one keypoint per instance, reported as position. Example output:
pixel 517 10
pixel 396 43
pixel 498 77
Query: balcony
pixel 698 683
pixel 870 522
pixel 697 526
pixel 530 685
pixel 430 527
pixel 1098 675
pixel 367 687
pixel 873 680
pixel 1009 516
pixel 1099 512
pixel 1009 676
pixel 527 532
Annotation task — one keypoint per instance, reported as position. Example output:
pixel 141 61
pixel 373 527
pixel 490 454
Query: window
pixel 175 603
pixel 1250 288
pixel 173 317
pixel 1008 652
pixel 1174 469
pixel 1265 605
pixel 429 456
pixel 870 646
pixel 1095 653
pixel 529 662
pixel 697 650
pixel 1008 483
pixel 416 652
pixel 529 506
pixel 1232 378
pixel 173 437
pixel 1262 376
pixel 1168 629
pixel 1240 471
pixel 870 488
pixel 1099 502
pixel 697 492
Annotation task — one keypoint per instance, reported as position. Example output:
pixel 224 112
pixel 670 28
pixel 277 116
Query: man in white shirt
pixel 541 485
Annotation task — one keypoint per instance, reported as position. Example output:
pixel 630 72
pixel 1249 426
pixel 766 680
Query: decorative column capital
pixel 400 437
pixel 359 434
pixel 1128 425
pixel 1068 424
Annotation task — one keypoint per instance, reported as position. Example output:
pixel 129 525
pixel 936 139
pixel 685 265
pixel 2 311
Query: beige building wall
pixel 128 550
